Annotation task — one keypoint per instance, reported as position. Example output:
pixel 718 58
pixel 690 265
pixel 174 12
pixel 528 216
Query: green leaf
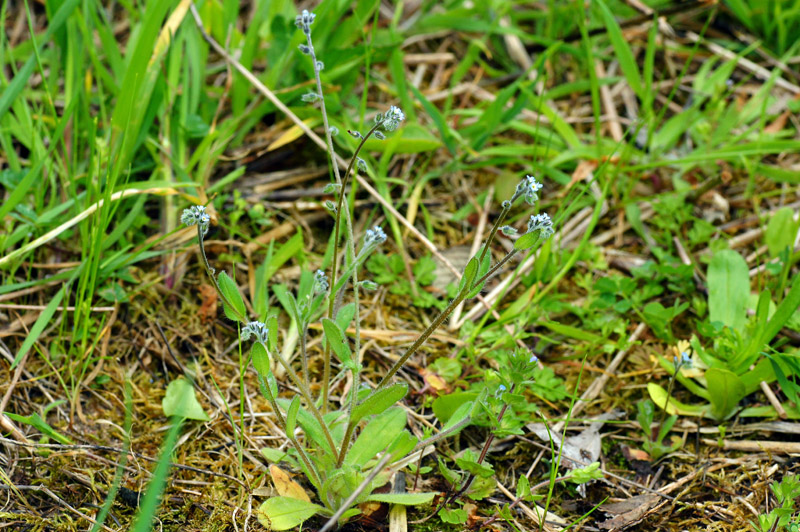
pixel 376 436
pixel 528 240
pixel 336 339
pixel 446 406
pixel 782 314
pixel 412 138
pixel 725 390
pixel 728 289
pixel 283 513
pixel 463 412
pixel 36 421
pixel 659 397
pixel 379 401
pixel 454 516
pixel 469 462
pixel 231 293
pixel 405 499
pixel 258 354
pixel 781 231
pixel 523 488
pixel 403 444
pixel 291 415
pixel 627 62
pixel 38 327
pixel 470 271
pixel 345 316
pixel 181 401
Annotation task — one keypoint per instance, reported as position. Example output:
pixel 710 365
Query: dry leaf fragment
pixel 433 382
pixel 285 486
pixel 208 308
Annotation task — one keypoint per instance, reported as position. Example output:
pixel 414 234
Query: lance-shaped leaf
pixel 232 295
pixel 379 401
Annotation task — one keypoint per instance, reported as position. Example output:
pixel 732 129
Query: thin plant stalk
pixel 266 392
pixel 326 372
pixel 484 451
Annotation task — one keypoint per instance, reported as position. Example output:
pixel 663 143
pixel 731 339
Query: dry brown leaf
pixel 208 308
pixel 434 381
pixel 582 172
pixel 778 124
pixel 285 486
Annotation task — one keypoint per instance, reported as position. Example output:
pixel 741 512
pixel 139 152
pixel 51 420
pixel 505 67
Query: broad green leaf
pixel 405 499
pixel 445 406
pixel 659 397
pixel 231 293
pixel 528 240
pixel 462 413
pixel 376 436
pixel 345 315
pixel 781 231
pixel 272 337
pixel 291 415
pixel 725 390
pixel 260 359
pixel 379 401
pixel 403 444
pixel 309 424
pixel 470 271
pixel 283 513
pixel 728 289
pixel 453 516
pixel 336 339
pixel 181 401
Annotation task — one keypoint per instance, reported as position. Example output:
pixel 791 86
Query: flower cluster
pixel 257 329
pixel 374 237
pixel 320 282
pixel 528 188
pixel 304 21
pixel 196 215
pixel 541 223
pixel 391 120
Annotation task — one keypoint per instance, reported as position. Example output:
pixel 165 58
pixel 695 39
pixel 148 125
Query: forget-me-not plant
pixel 347 453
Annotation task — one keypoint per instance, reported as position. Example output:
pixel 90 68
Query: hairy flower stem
pixel 307 396
pixel 669 394
pixel 484 451
pixel 493 232
pixel 423 337
pixel 212 272
pixel 326 370
pixel 266 392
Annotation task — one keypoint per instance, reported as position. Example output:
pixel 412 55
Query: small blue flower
pixel 508 230
pixel 533 360
pixel 374 237
pixel 528 189
pixel 500 390
pixel 304 21
pixel 684 361
pixel 320 282
pixel 392 118
pixel 196 215
pixel 257 329
pixel 541 223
